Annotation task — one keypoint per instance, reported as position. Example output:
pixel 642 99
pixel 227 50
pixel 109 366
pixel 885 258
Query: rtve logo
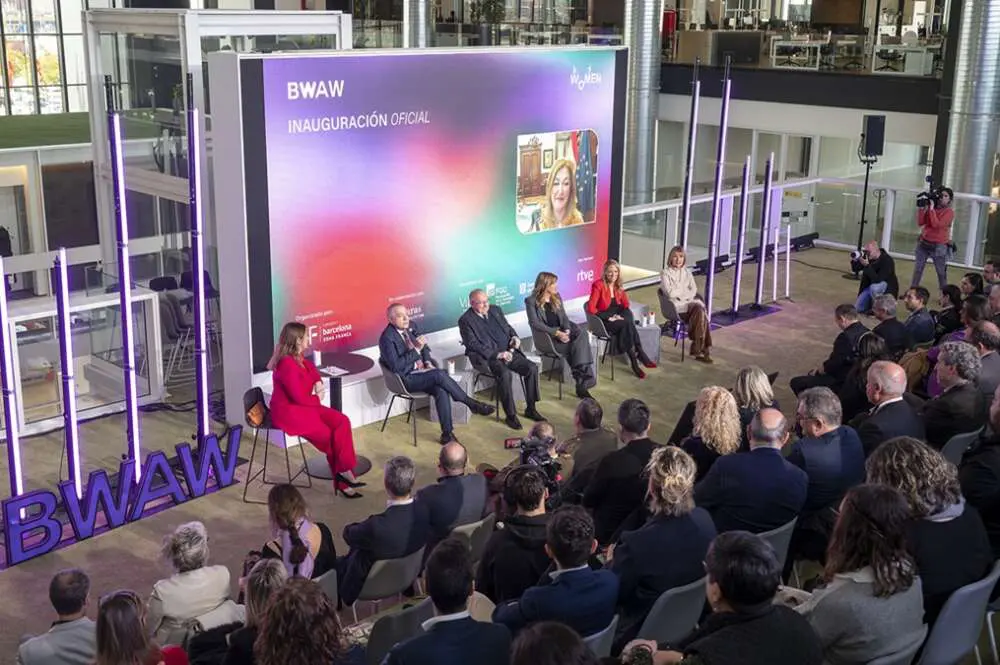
pixel 585 276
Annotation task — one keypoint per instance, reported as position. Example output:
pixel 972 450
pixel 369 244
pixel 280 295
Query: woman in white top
pixel 677 283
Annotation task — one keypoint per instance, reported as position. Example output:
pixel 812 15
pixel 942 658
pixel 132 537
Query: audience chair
pixel 390 577
pixel 328 583
pixel 600 643
pixel 480 372
pixel 477 534
pixel 992 609
pixel 253 396
pixel 674 614
pixel 779 539
pixel 904 657
pixel 958 444
pixel 956 631
pixel 596 327
pixel 674 325
pixel 394 384
pixel 397 627
pixel 546 348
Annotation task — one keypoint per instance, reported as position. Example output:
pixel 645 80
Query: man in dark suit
pixel 890 329
pixel 617 487
pixel 756 491
pixel 72 639
pixel 588 447
pixel 452 637
pixel 986 338
pixel 834 369
pixel 457 498
pixel 979 475
pixel 491 342
pixel 405 352
pixel 919 323
pixel 401 530
pixel 878 276
pixel 574 594
pixel 891 414
pixel 961 407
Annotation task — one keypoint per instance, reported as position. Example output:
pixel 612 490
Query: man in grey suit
pixel 72 639
pixel 986 337
pixel 457 498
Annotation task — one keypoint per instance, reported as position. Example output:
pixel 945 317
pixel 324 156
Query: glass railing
pixel 380 33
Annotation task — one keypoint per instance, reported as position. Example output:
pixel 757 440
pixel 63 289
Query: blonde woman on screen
pixel 559 209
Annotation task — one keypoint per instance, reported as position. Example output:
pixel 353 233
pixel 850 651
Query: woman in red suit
pixel 296 408
pixel 609 302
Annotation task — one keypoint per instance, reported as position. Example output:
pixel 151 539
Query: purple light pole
pixel 720 164
pixel 9 397
pixel 70 425
pixel 117 149
pixel 741 237
pixel 689 163
pixel 765 220
pixel 197 262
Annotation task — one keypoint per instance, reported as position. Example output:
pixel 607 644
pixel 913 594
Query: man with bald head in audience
pixel 457 498
pixel 891 415
pixel 985 336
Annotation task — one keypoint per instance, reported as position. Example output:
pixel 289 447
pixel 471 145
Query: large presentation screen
pixel 415 177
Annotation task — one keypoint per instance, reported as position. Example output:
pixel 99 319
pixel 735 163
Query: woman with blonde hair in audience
pixel 305 547
pixel 753 391
pixel 946 537
pixel 300 627
pixel 122 636
pixel 716 428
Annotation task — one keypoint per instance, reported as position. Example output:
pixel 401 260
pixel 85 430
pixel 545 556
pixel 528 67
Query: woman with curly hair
pixel 668 550
pixel 300 627
pixel 871 605
pixel 716 428
pixel 946 537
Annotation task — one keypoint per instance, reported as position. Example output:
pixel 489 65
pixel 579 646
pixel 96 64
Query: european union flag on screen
pixel 585 177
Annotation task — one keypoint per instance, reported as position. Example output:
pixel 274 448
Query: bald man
pixel 457 498
pixel 986 337
pixel 891 415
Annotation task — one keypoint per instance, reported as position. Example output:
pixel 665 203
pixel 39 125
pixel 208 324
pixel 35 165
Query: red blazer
pixel 600 297
pixel 293 404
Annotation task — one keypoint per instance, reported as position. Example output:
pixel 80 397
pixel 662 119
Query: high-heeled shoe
pixel 352 484
pixel 342 492
pixel 634 362
pixel 645 360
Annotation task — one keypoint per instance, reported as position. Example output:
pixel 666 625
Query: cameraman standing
pixel 935 220
pixel 878 276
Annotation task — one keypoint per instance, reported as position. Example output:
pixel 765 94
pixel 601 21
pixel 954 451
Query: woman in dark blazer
pixel 609 302
pixel 547 316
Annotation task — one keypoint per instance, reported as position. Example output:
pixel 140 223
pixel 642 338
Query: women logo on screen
pixel 556 180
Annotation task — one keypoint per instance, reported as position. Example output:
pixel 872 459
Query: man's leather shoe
pixel 448 437
pixel 481 408
pixel 533 414
pixel 582 392
pixel 512 422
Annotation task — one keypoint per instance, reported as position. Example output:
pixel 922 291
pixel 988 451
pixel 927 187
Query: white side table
pixel 649 337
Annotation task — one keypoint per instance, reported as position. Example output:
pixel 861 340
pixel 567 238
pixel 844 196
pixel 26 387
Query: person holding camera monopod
pixel 935 217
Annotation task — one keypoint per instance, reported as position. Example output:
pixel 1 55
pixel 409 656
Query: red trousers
pixel 330 431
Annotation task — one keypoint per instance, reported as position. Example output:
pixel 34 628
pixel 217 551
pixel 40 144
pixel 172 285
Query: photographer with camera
pixel 935 218
pixel 878 276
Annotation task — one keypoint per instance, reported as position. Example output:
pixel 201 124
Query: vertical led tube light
pixel 765 218
pixel 741 235
pixel 788 261
pixel 15 471
pixel 70 425
pixel 197 262
pixel 720 163
pixel 689 164
pixel 117 152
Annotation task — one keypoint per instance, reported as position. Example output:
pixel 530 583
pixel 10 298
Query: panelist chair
pixel 546 348
pixel 597 328
pixel 674 325
pixel 394 384
pixel 480 372
pixel 254 398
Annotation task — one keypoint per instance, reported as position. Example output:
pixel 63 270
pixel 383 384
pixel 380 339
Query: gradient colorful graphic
pixel 392 177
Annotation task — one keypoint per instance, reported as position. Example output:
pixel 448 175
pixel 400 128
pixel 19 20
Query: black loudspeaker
pixel 874 135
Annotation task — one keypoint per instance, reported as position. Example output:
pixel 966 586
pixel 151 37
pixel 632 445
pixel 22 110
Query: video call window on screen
pixel 556 180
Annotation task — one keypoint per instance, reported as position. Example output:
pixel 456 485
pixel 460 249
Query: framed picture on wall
pixel 548 156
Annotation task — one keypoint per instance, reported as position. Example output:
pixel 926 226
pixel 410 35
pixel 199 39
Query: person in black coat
pixel 889 328
pixel 492 343
pixel 457 498
pixel 853 393
pixel 266 577
pixel 891 414
pixel 985 336
pixel 878 276
pixel 961 407
pixel 948 319
pixel 402 529
pixel 452 637
pixel 617 487
pixel 979 477
pixel 547 316
pixel 834 369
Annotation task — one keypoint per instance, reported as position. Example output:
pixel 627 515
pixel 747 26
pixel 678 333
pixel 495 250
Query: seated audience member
pixel 745 627
pixel 196 591
pixel 609 302
pixel 985 336
pixel 300 627
pixel 123 634
pixel 971 285
pixel 891 415
pixel 551 643
pixel 872 605
pixel 457 498
pixel 853 393
pixel 834 369
pixel 878 276
pixel 891 329
pixel 756 491
pixel 960 408
pixel 753 392
pixel 668 550
pixel 716 428
pixel 677 283
pixel 974 310
pixel 834 461
pixel 402 529
pixel 492 344
pixel 919 323
pixel 946 537
pixel 582 598
pixel 588 446
pixel 514 558
pixel 547 316
pixel 948 319
pixel 305 547
pixel 265 578
pixel 452 636
pixel 404 351
pixel 979 474
pixel 990 277
pixel 617 488
pixel 994 302
pixel 71 640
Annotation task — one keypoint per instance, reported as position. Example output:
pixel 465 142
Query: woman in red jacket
pixel 935 222
pixel 609 302
pixel 296 408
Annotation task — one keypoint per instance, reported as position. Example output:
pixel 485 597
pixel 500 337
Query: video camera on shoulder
pixel 930 197
pixel 538 453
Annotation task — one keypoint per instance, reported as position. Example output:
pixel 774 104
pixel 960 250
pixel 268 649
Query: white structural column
pixel 416 24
